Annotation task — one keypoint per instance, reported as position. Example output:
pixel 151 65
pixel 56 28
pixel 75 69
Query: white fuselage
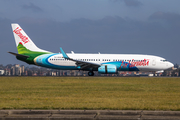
pixel 140 62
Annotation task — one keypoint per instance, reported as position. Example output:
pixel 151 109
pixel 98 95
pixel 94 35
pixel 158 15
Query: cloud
pixel 132 3
pixel 30 20
pixel 129 3
pixel 107 35
pixel 171 18
pixel 32 7
pixel 165 15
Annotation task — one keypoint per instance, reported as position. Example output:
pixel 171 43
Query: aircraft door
pixel 153 62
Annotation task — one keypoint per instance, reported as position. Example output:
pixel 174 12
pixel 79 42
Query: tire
pixel 91 73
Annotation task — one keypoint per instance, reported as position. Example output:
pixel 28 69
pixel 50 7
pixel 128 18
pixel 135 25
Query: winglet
pixel 64 54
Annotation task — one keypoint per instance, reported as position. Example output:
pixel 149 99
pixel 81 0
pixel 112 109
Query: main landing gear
pixel 91 73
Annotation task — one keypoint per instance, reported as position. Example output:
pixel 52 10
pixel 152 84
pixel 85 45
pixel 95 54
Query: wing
pixel 79 63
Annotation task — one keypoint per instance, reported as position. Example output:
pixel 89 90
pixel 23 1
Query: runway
pixel 88 115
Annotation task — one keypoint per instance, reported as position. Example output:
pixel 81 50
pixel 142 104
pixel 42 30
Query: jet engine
pixel 107 69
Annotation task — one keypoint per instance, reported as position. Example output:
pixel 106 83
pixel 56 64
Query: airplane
pixel 103 63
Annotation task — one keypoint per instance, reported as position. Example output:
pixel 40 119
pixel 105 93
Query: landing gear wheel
pixel 91 73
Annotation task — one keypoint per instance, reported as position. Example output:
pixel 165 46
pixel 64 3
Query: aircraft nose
pixel 170 65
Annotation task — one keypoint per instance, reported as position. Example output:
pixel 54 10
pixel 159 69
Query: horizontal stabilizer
pixel 19 55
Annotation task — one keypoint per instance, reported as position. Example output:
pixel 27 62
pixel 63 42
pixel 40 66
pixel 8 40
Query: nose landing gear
pixel 91 73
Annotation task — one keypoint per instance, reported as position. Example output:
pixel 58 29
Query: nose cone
pixel 170 65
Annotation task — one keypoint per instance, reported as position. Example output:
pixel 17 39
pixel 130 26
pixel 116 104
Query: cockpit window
pixel 164 60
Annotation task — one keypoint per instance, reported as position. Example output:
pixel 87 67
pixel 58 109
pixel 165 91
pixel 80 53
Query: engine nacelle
pixel 107 69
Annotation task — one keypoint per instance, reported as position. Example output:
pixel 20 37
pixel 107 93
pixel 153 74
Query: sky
pixel 90 26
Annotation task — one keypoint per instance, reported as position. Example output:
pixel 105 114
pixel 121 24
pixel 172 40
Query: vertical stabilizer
pixel 22 38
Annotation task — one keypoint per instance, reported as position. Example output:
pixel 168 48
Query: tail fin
pixel 22 38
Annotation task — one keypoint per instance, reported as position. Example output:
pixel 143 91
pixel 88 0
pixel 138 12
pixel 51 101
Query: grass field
pixel 90 93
